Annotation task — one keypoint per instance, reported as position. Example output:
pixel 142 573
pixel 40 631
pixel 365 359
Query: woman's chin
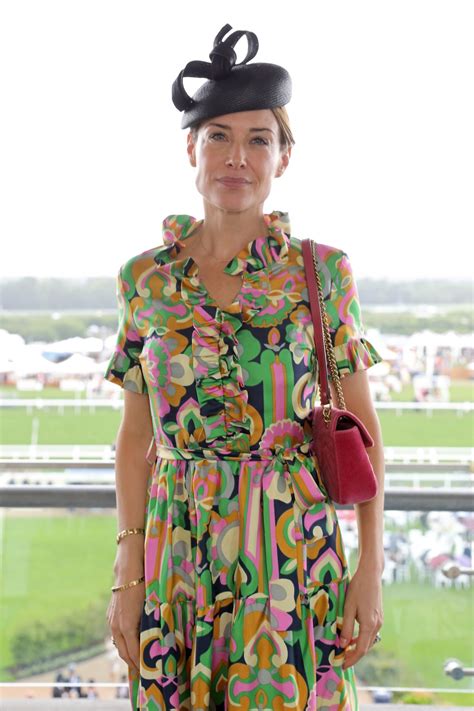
pixel 230 203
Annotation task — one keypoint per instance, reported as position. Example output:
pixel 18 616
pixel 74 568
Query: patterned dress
pixel 245 570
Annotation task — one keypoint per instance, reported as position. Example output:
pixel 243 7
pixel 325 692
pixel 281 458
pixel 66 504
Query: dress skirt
pixel 246 578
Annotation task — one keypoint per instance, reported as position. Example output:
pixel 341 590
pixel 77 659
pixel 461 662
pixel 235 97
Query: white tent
pixel 11 344
pixel 76 344
pixel 387 353
pixel 6 365
pixel 379 370
pixel 450 339
pixel 32 362
pixel 110 342
pixel 77 364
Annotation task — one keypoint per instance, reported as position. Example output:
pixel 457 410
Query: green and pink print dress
pixel 245 568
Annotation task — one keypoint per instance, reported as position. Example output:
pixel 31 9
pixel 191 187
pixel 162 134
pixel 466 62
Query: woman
pixel 231 576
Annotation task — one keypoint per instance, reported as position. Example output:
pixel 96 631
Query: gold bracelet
pixel 128 532
pixel 131 584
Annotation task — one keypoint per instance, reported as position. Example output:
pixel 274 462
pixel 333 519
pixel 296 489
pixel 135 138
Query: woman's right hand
pixel 126 606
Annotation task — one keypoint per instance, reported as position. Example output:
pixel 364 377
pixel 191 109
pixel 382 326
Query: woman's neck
pixel 224 234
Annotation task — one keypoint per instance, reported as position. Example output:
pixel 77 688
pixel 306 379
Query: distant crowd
pixel 69 685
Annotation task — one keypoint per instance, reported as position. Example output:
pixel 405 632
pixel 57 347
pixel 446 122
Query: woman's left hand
pixel 364 604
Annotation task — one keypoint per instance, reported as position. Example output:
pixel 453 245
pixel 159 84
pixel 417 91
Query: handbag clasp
pixel 327 413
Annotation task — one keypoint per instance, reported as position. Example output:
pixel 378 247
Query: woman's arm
pixel 131 476
pixel 364 600
pixel 131 468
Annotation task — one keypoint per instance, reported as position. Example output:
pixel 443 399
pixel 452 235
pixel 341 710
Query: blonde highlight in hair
pixel 283 120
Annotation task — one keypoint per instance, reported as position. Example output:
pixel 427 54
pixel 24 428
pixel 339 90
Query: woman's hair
pixel 283 121
pixel 281 115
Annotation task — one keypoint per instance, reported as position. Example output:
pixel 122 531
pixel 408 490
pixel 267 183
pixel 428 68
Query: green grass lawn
pixel 418 429
pixel 459 391
pixel 423 627
pixel 442 429
pixel 52 566
pixel 47 393
pixel 462 391
pixel 55 565
pixel 69 427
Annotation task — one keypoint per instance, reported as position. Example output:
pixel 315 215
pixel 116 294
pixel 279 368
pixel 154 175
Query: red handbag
pixel 340 439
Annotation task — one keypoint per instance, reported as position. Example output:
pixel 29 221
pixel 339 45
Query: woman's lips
pixel 234 182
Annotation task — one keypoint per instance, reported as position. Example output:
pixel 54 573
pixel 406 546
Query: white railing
pixel 64 453
pixel 430 455
pixel 394 405
pixel 419 479
pixel 62 465
pixel 460 457
pixel 61 404
pixel 117 403
pixel 90 472
pixel 113 705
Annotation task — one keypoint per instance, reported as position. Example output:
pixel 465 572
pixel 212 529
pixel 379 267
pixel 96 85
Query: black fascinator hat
pixel 230 87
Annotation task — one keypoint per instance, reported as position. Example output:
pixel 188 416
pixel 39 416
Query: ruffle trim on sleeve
pixel 132 379
pixel 355 354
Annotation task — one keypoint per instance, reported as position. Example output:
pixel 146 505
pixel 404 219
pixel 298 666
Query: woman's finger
pixel 122 648
pixel 132 640
pixel 362 646
pixel 347 627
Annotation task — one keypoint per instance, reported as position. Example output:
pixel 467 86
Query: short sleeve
pixel 124 367
pixel 351 349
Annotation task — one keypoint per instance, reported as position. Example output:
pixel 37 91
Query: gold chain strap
pixel 327 336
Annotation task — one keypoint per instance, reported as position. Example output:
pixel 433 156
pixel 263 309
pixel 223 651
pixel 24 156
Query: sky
pixel 92 156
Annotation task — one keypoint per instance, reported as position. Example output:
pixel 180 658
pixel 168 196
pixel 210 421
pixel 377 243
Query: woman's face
pixel 237 156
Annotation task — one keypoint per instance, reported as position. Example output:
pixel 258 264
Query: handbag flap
pixel 341 419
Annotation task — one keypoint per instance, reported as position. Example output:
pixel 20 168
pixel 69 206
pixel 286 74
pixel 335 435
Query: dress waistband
pixel 297 450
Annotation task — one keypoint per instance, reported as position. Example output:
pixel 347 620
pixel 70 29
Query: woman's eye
pixel 261 141
pixel 216 136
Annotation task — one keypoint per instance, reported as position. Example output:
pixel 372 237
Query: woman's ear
pixel 191 148
pixel 284 161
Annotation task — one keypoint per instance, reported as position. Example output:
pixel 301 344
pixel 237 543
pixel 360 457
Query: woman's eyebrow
pixel 262 129
pixel 219 125
pixel 229 128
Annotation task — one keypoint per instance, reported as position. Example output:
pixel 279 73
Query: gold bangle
pixel 131 584
pixel 128 532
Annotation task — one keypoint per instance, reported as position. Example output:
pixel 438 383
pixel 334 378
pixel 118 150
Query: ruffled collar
pixel 260 253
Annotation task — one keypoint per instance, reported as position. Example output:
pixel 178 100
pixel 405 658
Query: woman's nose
pixel 236 157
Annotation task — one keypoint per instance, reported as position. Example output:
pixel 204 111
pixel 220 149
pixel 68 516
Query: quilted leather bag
pixel 340 439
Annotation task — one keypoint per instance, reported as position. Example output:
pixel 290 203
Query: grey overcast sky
pixel 92 156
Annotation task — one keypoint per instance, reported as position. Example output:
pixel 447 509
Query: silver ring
pixel 377 638
pixel 113 641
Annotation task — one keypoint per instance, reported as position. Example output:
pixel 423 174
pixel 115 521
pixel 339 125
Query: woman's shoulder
pixel 174 226
pixel 326 252
pixel 334 265
pixel 140 264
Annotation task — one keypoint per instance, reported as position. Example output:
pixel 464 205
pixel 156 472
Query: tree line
pixel 54 327
pixel 34 294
